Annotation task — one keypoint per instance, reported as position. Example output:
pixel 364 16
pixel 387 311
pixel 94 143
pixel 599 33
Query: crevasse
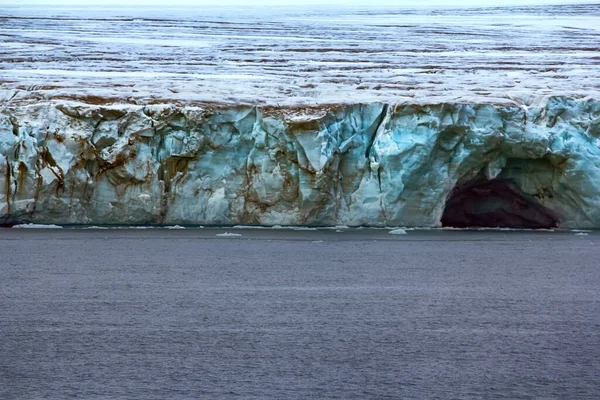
pixel 363 164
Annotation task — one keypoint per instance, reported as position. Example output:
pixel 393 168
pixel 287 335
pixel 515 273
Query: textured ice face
pixel 364 164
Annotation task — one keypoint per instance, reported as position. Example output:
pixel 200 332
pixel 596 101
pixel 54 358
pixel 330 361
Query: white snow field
pixel 298 55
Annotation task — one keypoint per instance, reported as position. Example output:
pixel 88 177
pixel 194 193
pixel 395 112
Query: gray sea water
pixel 186 314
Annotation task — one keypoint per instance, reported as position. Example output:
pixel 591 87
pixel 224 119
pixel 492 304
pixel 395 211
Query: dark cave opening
pixel 496 203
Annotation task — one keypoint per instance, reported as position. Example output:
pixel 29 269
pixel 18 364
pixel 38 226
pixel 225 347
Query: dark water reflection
pixel 158 314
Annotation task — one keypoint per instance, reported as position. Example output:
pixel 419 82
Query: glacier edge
pixel 363 164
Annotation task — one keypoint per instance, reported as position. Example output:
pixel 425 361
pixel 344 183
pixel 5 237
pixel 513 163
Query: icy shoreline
pixel 364 164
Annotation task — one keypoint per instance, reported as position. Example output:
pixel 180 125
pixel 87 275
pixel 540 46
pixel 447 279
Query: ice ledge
pixel 371 164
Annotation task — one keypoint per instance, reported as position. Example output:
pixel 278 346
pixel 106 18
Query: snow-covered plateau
pixel 396 117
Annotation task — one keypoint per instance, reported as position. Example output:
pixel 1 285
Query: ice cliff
pixel 535 165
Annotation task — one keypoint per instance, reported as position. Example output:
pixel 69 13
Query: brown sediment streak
pixel 8 191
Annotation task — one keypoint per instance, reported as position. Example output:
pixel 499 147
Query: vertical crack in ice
pixel 380 123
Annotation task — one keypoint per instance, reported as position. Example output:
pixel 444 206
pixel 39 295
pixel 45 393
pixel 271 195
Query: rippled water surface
pixel 157 314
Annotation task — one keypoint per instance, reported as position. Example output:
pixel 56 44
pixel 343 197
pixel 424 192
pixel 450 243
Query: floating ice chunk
pixel 581 234
pixel 398 231
pixel 336 228
pixel 37 226
pixel 304 228
pixel 176 227
pixel 227 234
pixel 95 227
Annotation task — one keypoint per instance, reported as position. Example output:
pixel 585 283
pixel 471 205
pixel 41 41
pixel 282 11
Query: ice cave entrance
pixel 495 203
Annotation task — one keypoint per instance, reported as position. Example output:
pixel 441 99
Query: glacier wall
pixel 363 164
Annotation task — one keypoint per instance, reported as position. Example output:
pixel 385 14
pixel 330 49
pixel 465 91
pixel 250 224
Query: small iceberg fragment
pixel 398 231
pixel 95 227
pixel 336 228
pixel 37 226
pixel 581 234
pixel 176 227
pixel 227 234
